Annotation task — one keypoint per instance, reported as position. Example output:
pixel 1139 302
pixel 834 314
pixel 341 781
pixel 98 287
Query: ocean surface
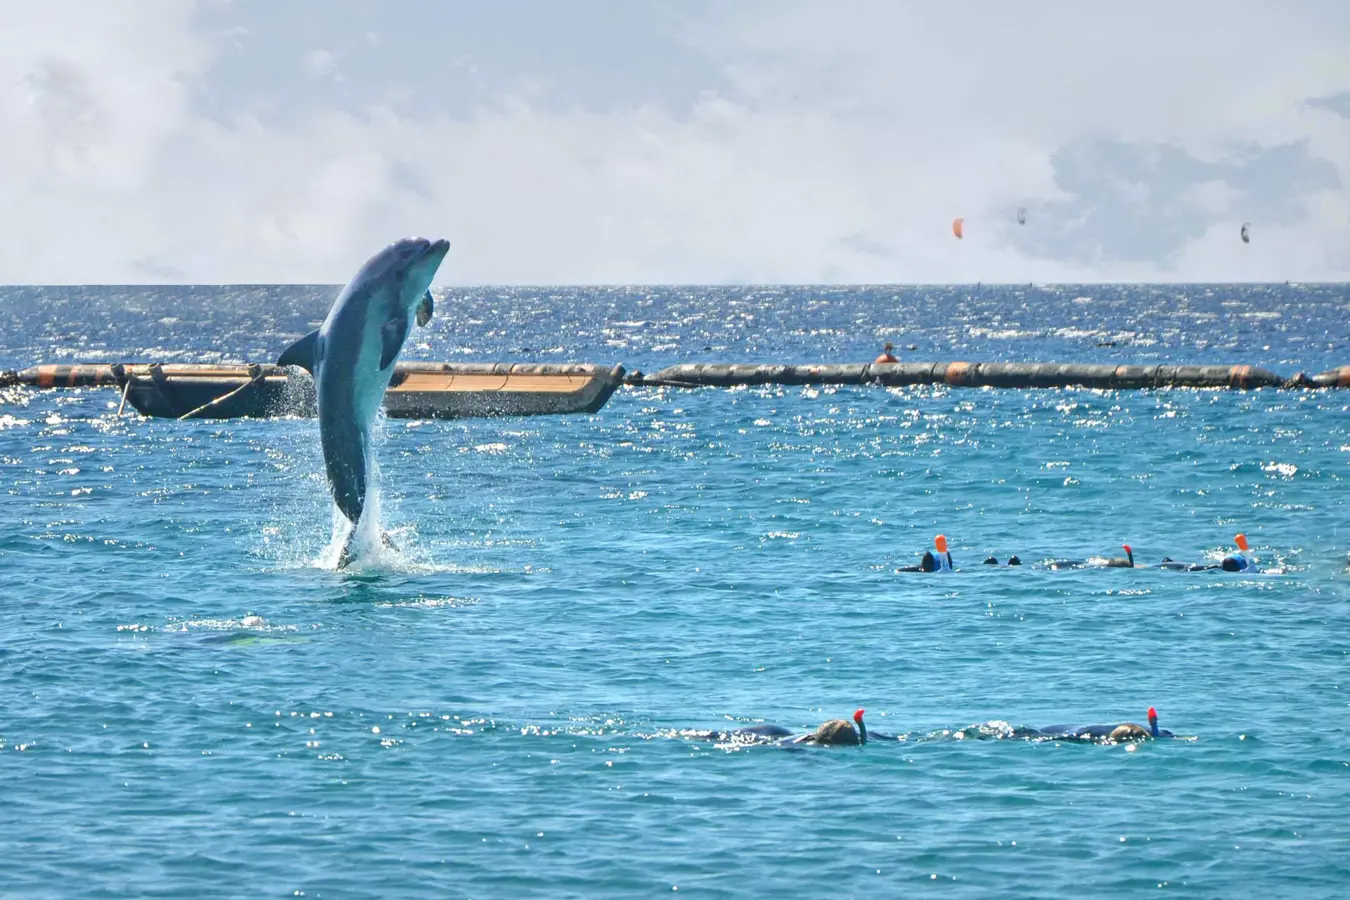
pixel 192 705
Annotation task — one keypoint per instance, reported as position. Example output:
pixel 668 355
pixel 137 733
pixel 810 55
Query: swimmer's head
pixel 991 561
pixel 835 733
pixel 1014 560
pixel 888 347
pixel 929 561
pixel 1127 732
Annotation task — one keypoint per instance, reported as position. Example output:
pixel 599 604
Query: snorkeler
pixel 1238 562
pixel 1234 562
pixel 834 733
pixel 944 559
pixel 1125 562
pixel 886 355
pixel 933 562
pixel 927 563
pixel 1126 731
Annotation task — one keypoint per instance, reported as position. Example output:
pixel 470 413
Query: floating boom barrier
pixel 994 375
pixel 418 390
pixel 434 390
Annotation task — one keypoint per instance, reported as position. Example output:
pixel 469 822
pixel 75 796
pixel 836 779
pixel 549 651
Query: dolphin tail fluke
pixel 301 353
pixel 425 309
pixel 348 554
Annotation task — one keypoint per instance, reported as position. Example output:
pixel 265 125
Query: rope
pixel 257 374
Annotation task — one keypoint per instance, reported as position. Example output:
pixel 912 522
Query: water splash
pixel 365 540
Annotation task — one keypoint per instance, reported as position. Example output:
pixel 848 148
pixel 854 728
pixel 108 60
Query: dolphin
pixel 352 356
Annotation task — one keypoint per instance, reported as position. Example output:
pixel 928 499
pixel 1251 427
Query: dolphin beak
pixel 436 251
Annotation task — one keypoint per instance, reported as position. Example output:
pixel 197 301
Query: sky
pixel 675 141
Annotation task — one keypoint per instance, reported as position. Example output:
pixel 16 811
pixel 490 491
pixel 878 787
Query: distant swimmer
pixel 1012 561
pixel 886 355
pixel 944 559
pixel 838 733
pixel 834 733
pixel 928 563
pixel 1126 562
pixel 1119 563
pixel 1238 562
pixel 1126 731
pixel 1235 562
pixel 933 562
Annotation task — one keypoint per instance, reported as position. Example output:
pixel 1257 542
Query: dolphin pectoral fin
pixel 302 353
pixel 392 334
pixel 425 309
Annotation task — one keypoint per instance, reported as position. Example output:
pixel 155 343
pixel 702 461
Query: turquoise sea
pixel 193 706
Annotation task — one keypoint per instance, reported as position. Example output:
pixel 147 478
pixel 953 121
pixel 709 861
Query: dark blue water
pixel 194 707
pixel 1275 326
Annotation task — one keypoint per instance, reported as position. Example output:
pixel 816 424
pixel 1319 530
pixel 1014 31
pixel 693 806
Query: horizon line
pixel 677 284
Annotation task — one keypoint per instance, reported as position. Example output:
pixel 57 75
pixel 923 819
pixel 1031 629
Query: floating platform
pixel 418 390
pixel 999 375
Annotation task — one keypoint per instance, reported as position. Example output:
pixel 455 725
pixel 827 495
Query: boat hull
pixel 417 390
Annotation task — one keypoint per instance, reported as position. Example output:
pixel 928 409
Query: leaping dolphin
pixel 352 355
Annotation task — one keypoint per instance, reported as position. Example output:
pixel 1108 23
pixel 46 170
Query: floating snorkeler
pixel 1118 562
pixel 933 562
pixel 834 733
pixel 1126 731
pixel 1234 562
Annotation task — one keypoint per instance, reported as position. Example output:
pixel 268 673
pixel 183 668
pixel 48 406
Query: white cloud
pixel 831 142
pixel 321 63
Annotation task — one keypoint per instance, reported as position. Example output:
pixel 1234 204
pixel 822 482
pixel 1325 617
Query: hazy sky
pixel 617 141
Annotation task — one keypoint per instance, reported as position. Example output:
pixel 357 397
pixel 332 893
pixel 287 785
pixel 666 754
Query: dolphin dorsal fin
pixel 392 335
pixel 302 353
pixel 425 309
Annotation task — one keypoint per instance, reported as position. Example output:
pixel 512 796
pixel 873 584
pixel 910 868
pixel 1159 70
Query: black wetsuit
pixel 1088 732
pixel 929 563
pixel 1228 564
